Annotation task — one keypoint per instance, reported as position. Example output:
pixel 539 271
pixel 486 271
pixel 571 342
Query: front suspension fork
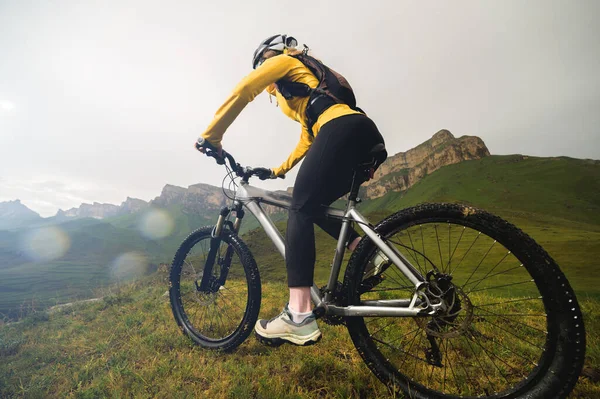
pixel 208 283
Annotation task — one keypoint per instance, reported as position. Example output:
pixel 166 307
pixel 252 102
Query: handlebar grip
pixel 203 143
pixel 211 150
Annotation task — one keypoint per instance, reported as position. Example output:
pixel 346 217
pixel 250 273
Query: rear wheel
pixel 222 314
pixel 512 325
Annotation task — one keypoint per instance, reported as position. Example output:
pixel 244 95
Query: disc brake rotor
pixel 453 322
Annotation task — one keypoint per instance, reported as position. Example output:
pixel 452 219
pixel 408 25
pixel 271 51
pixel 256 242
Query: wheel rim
pixel 218 314
pixel 497 337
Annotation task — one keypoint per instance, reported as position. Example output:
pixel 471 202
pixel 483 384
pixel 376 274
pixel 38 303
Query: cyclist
pixel 334 138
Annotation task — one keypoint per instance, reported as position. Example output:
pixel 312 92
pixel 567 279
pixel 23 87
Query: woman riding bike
pixel 335 137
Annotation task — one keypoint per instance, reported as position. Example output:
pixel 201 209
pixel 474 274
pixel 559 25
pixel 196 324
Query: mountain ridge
pixel 398 173
pixel 401 171
pixel 14 213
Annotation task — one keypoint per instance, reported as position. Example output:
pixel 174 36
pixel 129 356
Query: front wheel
pixel 215 296
pixel 511 325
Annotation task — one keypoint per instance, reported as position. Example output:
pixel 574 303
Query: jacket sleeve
pixel 252 85
pixel 296 156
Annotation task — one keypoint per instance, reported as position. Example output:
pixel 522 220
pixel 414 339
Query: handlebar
pixel 210 150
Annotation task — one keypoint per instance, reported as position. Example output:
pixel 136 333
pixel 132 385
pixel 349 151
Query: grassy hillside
pixel 535 194
pixel 96 251
pixel 128 345
pixel 556 200
pixel 563 188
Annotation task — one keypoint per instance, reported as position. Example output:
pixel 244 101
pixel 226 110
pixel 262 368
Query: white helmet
pixel 277 43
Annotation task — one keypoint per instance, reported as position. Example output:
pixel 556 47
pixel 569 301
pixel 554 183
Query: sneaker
pixel 376 265
pixel 282 329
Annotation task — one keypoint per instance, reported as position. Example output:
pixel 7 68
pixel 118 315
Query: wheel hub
pixel 456 313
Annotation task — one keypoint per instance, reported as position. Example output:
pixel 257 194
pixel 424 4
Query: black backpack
pixel 333 89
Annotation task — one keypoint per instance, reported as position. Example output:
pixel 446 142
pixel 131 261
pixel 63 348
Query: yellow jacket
pixel 264 77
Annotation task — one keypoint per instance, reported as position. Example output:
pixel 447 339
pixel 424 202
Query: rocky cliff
pixel 195 198
pixel 399 172
pixel 95 210
pixel 101 211
pixel 132 205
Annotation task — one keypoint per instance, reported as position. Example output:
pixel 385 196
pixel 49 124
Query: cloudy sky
pixel 100 100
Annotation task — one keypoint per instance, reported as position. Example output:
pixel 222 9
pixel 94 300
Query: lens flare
pixel 156 224
pixel 46 243
pixel 129 265
pixel 6 105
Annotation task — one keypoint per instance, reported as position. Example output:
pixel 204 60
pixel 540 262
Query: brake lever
pixel 220 160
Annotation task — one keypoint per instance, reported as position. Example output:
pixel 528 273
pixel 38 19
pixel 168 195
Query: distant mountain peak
pixel 443 135
pixel 14 214
pixel 402 170
pixel 99 210
pixel 196 198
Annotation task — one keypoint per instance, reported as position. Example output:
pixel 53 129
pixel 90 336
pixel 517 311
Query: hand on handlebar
pixel 264 173
pixel 221 156
pixel 204 145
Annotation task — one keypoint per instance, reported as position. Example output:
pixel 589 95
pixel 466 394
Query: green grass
pixel 129 346
pixel 562 187
pixel 554 199
pixel 88 264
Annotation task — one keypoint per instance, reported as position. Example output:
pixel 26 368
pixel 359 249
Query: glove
pixel 202 145
pixel 264 173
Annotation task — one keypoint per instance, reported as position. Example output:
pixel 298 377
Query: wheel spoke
pixel 416 258
pixel 399 350
pixel 493 268
pixel 494 327
pixel 465 255
pixel 480 262
pixel 490 357
pixel 418 330
pixel 383 328
pixel 480 365
pixel 510 301
pixel 454 251
pixel 513 334
pixel 495 274
pixel 216 314
pixel 499 342
pixel 505 285
pixel 437 239
pixel 490 313
pixel 468 378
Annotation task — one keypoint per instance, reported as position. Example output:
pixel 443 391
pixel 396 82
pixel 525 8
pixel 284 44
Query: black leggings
pixel 325 176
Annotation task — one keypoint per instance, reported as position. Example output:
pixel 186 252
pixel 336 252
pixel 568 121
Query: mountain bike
pixel 464 305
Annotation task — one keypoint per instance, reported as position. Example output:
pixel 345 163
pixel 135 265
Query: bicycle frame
pixel 419 305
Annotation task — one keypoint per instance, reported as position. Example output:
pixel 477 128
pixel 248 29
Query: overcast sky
pixel 100 100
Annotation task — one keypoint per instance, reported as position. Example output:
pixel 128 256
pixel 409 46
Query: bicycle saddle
pixel 374 158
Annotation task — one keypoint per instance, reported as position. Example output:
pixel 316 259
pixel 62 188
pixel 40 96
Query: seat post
pixel 356 182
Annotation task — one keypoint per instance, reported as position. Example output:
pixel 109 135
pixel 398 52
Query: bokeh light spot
pixel 46 243
pixel 129 265
pixel 156 224
pixel 6 105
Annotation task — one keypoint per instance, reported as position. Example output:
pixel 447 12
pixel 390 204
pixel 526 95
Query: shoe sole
pixel 280 339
